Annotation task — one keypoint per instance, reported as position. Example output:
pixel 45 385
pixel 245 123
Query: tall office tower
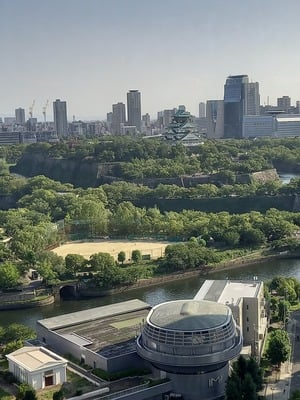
pixel 181 107
pixel 253 99
pixel 235 105
pixel 215 119
pixel 20 116
pixel 60 118
pixel 298 107
pixel 202 110
pixel 167 117
pixel 118 118
pixel 284 103
pixel 134 109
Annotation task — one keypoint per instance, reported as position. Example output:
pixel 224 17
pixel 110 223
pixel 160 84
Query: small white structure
pixel 37 366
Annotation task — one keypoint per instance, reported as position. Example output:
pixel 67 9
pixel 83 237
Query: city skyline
pixel 90 53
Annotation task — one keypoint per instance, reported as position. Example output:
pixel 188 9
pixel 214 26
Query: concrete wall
pixel 64 346
pixel 198 386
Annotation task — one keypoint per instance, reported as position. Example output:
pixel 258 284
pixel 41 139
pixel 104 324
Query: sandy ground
pixel 113 247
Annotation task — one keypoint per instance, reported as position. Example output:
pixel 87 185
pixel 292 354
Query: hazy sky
pixel 91 52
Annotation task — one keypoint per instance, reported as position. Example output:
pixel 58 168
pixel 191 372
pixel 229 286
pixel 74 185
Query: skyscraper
pixel 134 109
pixel 202 113
pixel 20 116
pixel 215 119
pixel 253 99
pixel 118 118
pixel 60 118
pixel 235 105
pixel 284 103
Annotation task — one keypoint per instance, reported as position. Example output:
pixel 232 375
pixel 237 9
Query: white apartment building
pixel 247 302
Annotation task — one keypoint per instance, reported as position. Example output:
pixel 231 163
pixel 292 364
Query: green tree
pixel 284 307
pixel 4 169
pixel 9 275
pixel 245 380
pixel 18 332
pixel 46 272
pixel 56 262
pixel 59 395
pixel 13 346
pixel 233 387
pixel 74 263
pixel 252 237
pixel 101 261
pixel 274 304
pixel 249 388
pixel 26 392
pixel 231 238
pixel 107 274
pixel 136 256
pixel 279 347
pixel 295 395
pixel 121 257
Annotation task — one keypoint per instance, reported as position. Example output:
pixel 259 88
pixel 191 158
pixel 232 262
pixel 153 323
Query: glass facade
pixel 235 105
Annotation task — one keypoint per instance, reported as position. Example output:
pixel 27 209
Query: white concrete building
pixel 247 303
pixel 37 366
pixel 281 125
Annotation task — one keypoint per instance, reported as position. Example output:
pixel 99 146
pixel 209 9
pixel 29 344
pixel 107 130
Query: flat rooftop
pixel 189 315
pixel 92 314
pixel 108 330
pixel 33 358
pixel 228 292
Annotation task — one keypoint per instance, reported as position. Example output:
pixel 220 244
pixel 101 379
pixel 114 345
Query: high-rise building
pixel 20 116
pixel 215 119
pixel 118 118
pixel 284 103
pixel 167 117
pixel 235 105
pixel 134 109
pixel 202 113
pixel 253 99
pixel 60 118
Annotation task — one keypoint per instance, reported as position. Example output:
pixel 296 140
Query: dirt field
pixel 113 247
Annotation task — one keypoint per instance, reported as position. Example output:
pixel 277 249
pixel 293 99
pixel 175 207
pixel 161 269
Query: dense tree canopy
pixel 279 347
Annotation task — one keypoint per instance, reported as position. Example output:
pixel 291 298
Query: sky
pixel 91 52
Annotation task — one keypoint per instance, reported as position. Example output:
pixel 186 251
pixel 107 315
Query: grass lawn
pixel 73 386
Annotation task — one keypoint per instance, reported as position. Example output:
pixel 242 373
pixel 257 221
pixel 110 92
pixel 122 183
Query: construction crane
pixel 31 109
pixel 44 110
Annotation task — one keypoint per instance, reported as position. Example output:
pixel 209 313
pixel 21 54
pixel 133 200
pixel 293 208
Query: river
pixel 183 289
pixel 285 178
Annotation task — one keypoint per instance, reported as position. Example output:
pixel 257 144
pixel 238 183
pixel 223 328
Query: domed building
pixel 191 342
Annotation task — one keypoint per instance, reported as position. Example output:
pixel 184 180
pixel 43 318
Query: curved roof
pixel 189 315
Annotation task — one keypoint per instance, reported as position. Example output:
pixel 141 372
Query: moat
pixel 186 288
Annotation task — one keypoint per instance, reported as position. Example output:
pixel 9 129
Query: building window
pixel 247 319
pixel 247 307
pixel 247 328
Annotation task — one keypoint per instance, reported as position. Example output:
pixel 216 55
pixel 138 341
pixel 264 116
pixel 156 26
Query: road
pixel 295 378
pixel 288 380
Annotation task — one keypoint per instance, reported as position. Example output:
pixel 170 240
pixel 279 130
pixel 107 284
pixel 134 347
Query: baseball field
pixel 152 249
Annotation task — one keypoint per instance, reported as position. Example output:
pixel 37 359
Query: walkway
pixel 283 382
